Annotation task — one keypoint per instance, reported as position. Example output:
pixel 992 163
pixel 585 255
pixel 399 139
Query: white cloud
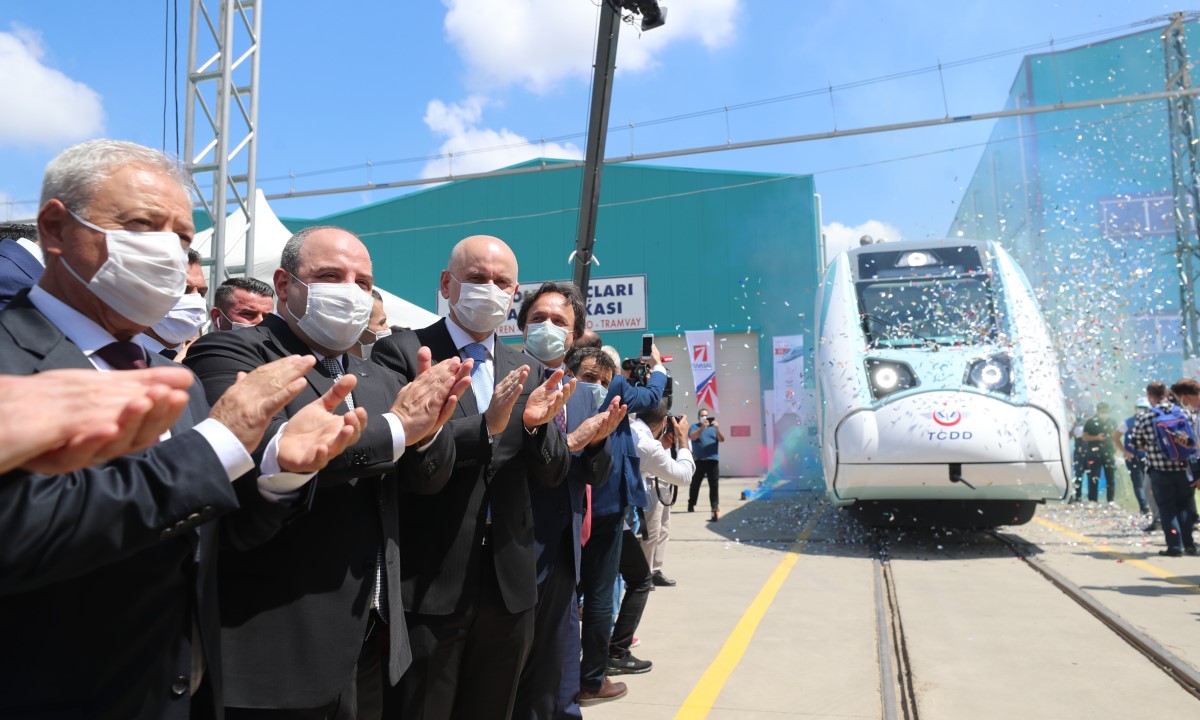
pixel 839 237
pixel 48 107
pixel 458 123
pixel 539 43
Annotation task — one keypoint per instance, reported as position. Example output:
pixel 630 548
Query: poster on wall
pixel 789 376
pixel 613 303
pixel 702 351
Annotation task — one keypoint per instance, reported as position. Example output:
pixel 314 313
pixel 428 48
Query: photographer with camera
pixel 706 434
pixel 666 457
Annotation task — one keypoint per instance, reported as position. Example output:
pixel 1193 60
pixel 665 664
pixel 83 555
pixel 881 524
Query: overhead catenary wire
pixel 761 181
pixel 829 88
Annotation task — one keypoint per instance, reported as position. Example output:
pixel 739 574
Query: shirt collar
pixel 149 343
pixel 81 330
pixel 462 338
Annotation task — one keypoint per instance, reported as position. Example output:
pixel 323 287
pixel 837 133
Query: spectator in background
pixel 1187 393
pixel 21 262
pixel 377 328
pixel 241 302
pixel 1078 457
pixel 1135 460
pixel 182 323
pixel 601 557
pixel 1099 453
pixel 706 435
pixel 588 339
pixel 663 452
pixel 1168 478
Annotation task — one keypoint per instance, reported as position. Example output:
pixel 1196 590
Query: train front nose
pixel 948 427
pixel 911 447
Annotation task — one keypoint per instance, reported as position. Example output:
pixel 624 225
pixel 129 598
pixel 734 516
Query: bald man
pixel 468 559
pixel 312 623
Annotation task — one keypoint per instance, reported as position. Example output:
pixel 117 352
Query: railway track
pixel 899 679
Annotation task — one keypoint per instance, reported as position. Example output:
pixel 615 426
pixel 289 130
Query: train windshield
pixel 922 298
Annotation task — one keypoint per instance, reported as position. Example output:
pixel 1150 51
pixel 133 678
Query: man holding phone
pixel 705 435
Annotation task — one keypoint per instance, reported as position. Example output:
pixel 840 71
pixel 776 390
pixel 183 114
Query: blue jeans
pixel 598 570
pixel 1137 476
pixel 1174 497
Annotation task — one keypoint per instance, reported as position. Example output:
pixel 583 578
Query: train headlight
pixel 888 376
pixel 991 374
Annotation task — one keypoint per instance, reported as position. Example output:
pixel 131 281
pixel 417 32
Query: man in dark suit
pixel 551 318
pixel 107 573
pixel 20 260
pixel 469 579
pixel 311 617
pixel 602 555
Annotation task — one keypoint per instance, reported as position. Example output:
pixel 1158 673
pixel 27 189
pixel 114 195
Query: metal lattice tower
pixel 1185 176
pixel 220 151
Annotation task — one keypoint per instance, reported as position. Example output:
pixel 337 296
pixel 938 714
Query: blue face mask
pixel 545 341
pixel 597 391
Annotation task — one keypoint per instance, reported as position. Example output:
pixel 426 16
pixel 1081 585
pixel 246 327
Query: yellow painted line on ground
pixel 1141 564
pixel 703 696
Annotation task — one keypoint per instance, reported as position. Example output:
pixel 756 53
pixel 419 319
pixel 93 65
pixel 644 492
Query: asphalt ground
pixel 775 616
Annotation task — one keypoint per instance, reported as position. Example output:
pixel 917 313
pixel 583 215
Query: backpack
pixel 1174 434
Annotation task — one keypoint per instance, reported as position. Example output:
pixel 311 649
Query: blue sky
pixel 377 80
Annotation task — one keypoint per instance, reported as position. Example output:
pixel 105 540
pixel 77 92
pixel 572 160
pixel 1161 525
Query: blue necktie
pixel 479 380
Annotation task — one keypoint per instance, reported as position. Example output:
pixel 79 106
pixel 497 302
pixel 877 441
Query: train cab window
pixel 915 298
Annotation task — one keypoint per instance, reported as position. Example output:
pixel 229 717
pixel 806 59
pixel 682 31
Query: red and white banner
pixel 702 351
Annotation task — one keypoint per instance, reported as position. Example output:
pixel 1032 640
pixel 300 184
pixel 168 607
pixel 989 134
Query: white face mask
pixel 335 314
pixel 233 324
pixel 144 276
pixel 182 321
pixel 481 308
pixel 545 341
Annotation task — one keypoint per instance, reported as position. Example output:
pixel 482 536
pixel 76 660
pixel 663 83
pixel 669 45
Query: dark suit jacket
pixel 556 509
pixel 103 571
pixel 442 535
pixel 625 487
pixel 18 270
pixel 294 607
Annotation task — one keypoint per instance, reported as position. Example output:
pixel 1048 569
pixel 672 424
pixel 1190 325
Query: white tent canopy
pixel 270 235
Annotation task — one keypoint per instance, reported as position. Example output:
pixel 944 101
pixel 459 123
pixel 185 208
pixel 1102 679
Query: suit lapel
pixel 289 344
pixel 35 334
pixel 437 338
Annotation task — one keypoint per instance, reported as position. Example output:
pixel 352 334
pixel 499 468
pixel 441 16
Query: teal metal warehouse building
pixel 737 253
pixel 1084 198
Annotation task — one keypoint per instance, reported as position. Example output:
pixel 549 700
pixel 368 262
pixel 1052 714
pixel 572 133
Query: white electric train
pixel 939 390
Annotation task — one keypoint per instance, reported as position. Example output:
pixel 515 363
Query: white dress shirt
pixel 89 337
pixel 656 460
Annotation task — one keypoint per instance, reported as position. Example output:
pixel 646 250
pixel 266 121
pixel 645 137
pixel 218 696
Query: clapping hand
pixel 248 406
pixel 316 434
pixel 595 429
pixel 425 404
pixel 504 397
pixel 62 420
pixel 547 400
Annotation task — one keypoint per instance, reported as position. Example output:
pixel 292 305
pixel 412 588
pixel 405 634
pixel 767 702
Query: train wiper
pixel 888 322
